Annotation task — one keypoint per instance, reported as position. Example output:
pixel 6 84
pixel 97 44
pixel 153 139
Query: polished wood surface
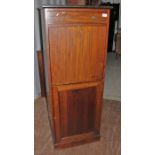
pixel 77 110
pixel 75 43
pixel 64 16
pixel 79 56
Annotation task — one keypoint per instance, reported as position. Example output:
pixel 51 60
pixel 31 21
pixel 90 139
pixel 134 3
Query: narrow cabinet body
pixel 75 47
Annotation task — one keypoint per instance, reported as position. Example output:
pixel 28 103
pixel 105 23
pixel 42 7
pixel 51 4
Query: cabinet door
pixel 77 52
pixel 77 110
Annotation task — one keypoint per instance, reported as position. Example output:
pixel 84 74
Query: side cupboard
pixel 75 43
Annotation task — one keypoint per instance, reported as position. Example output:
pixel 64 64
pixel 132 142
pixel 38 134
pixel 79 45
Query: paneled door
pixel 77 110
pixel 77 53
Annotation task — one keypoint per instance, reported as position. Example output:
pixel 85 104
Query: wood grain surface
pixel 77 111
pixel 77 53
pixel 76 16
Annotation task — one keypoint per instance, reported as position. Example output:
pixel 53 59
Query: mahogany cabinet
pixel 75 47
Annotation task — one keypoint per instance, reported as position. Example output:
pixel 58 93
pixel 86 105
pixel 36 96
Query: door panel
pixel 79 109
pixel 77 53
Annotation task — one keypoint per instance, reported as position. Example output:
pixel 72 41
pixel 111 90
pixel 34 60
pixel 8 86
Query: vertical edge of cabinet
pixel 47 71
pixel 99 106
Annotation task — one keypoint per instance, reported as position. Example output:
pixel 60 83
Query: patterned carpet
pixel 110 133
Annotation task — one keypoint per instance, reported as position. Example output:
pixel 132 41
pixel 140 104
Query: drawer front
pixel 77 110
pixel 55 16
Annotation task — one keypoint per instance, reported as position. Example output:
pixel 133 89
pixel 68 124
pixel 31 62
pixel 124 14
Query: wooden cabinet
pixel 75 43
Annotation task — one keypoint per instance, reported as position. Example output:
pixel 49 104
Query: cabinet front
pixel 77 108
pixel 77 51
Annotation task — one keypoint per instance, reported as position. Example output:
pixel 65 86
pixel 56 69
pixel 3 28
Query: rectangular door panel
pixel 77 53
pixel 79 107
pixel 79 111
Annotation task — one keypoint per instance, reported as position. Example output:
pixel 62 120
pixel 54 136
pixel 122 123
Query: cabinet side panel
pixel 47 70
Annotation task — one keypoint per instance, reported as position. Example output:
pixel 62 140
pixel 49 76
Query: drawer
pixel 55 16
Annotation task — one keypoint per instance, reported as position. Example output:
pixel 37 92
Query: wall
pixel 36 47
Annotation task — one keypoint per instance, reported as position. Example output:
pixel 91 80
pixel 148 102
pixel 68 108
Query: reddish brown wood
pixel 77 140
pixel 41 73
pixel 76 42
pixel 78 16
pixel 77 59
pixel 77 107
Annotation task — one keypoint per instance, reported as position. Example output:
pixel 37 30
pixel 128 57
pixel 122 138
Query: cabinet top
pixel 73 6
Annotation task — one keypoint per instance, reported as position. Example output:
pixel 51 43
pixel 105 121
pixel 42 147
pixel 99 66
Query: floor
pixel 110 133
pixel 112 87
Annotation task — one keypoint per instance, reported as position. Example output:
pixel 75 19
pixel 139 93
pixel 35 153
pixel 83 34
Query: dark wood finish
pixel 41 73
pixel 71 61
pixel 69 54
pixel 75 43
pixel 77 110
pixel 78 140
pixel 63 16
